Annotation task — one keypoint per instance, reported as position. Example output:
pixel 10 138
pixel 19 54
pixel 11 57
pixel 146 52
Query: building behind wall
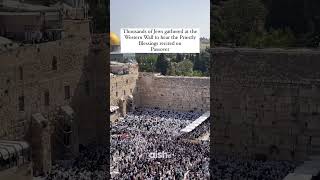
pixel 266 102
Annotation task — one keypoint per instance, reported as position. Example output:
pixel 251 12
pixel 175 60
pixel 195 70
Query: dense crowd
pixel 147 144
pixel 235 168
pixel 91 164
pixel 201 130
pixel 153 148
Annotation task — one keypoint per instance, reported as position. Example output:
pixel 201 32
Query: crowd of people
pixel 157 132
pixel 91 164
pixel 236 168
pixel 148 144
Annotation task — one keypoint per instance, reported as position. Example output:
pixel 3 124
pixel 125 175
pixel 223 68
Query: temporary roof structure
pixel 113 108
pixel 12 148
pixel 196 123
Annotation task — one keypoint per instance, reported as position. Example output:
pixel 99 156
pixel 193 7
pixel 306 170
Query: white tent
pixel 113 108
pixel 196 123
pixel 294 176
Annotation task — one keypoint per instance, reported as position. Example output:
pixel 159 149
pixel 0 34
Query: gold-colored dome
pixel 114 39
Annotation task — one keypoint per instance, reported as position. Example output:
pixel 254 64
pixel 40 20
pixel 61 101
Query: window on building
pixel 66 92
pixel 87 87
pixel 66 139
pixel 116 94
pixel 124 92
pixel 46 98
pixel 67 135
pixel 21 103
pixel 20 73
pixel 54 63
pixel 310 140
pixel 130 90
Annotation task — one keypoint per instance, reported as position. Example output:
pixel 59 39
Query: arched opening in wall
pixel 46 98
pixel 130 103
pixel 310 140
pixel 54 64
pixel 20 73
pixel 67 134
pixel 260 157
pixel 122 106
pixel 66 92
pixel 21 103
pixel 274 151
pixel 81 147
pixel 246 151
pixel 292 154
pixel 87 87
pixel 231 147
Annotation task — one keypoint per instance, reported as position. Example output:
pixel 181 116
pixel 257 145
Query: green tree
pixel 147 64
pixel 99 13
pixel 184 68
pixel 279 38
pixel 197 73
pixel 179 58
pixel 201 63
pixel 172 69
pixel 162 64
pixel 234 20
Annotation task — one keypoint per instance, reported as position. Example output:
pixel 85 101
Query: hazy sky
pixel 160 14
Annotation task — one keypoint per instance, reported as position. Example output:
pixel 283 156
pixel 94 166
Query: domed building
pixel 114 42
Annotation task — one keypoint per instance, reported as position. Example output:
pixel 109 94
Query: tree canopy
pixel 266 23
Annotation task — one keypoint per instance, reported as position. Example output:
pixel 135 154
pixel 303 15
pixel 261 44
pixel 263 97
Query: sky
pixel 160 14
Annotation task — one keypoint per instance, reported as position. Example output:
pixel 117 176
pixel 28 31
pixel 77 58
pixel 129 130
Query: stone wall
pixel 266 101
pixel 122 87
pixel 173 92
pixel 40 74
pixel 28 71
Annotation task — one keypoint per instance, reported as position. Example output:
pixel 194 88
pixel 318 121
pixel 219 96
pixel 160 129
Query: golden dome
pixel 114 39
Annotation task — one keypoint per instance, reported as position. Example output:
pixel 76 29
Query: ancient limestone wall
pixel 35 63
pixel 266 101
pixel 172 92
pixel 32 71
pixel 122 87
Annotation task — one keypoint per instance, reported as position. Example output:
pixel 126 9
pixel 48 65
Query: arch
pixel 273 149
pixel 292 154
pixel 20 73
pixel 130 103
pixel 54 64
pixel 46 98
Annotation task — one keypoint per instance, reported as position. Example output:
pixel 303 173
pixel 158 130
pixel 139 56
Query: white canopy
pixel 294 176
pixel 113 108
pixel 309 167
pixel 306 170
pixel 196 123
pixel 10 148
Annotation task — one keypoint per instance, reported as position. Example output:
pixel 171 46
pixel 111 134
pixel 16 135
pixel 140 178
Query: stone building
pixel 266 102
pixel 123 79
pixel 53 92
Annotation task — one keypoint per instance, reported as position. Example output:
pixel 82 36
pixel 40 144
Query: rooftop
pixel 13 5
